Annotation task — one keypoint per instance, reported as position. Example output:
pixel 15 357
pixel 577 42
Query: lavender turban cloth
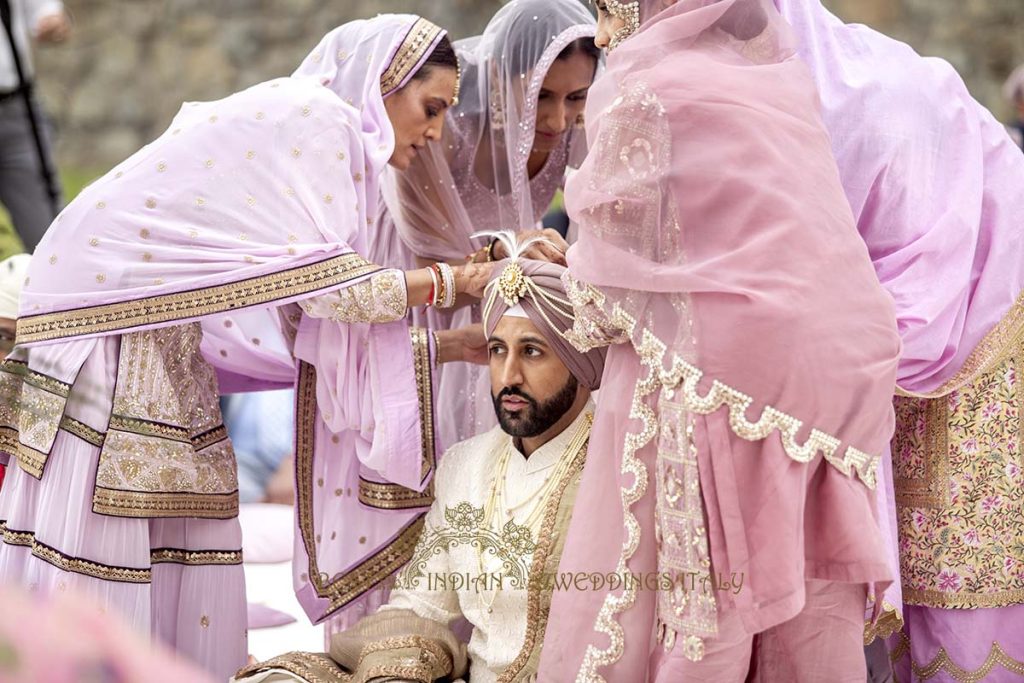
pixel 537 287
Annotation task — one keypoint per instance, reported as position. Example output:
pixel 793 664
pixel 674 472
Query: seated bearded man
pixel 493 537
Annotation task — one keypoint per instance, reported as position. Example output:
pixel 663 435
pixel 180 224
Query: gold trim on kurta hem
pixel 181 306
pixel 154 504
pixel 888 623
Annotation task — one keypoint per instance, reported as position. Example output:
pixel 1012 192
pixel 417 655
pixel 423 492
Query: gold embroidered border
pixel 421 37
pixel 1005 338
pixel 941 600
pixel 889 622
pixel 943 663
pixel 209 438
pixel 14 537
pixel 933 490
pixel 538 599
pixel 430 654
pixel 384 496
pixel 82 431
pixel 159 430
pixel 195 558
pixel 31 460
pixel 311 667
pixel 421 673
pixel 180 306
pixel 9 441
pixel 374 569
pixel 154 504
pixel 425 392
pixel 44 382
pixel 68 563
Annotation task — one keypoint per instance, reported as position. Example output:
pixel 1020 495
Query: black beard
pixel 535 419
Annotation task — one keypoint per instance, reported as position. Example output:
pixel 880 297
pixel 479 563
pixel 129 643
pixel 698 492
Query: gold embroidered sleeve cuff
pixel 381 299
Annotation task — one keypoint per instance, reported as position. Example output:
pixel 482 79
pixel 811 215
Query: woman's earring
pixel 581 121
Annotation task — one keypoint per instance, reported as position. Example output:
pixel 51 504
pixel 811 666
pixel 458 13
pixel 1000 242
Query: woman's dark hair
pixel 443 57
pixel 584 45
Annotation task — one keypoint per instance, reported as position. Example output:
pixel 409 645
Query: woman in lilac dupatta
pixel 935 185
pixel 746 397
pixel 249 207
pixel 505 151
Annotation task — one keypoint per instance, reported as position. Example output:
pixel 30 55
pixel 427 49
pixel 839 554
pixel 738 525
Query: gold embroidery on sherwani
pixel 311 667
pixel 166 452
pixel 182 306
pixel 342 589
pixel 943 663
pixel 546 557
pixel 388 496
pixel 959 470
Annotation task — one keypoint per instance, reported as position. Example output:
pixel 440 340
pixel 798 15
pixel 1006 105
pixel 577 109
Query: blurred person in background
pixel 1014 92
pixel 261 425
pixel 29 186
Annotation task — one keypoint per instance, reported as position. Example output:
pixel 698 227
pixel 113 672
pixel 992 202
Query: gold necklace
pixel 496 496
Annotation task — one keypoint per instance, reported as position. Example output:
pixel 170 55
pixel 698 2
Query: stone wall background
pixel 131 63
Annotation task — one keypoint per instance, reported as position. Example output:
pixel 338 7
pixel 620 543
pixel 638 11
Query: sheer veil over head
pixel 480 166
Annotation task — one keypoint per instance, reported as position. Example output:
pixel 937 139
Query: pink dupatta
pixel 718 252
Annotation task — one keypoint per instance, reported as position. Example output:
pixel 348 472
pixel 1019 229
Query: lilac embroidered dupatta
pixel 242 206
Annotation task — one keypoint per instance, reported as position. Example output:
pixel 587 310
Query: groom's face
pixel 531 387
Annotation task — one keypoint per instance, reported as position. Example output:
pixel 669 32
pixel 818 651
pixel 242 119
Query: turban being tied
pixel 536 287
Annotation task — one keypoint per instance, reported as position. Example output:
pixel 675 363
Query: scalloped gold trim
pixel 942 663
pixel 680 384
pixel 889 622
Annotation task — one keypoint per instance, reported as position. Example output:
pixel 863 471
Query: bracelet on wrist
pixel 447 276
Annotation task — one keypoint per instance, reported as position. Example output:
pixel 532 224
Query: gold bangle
pixel 490 250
